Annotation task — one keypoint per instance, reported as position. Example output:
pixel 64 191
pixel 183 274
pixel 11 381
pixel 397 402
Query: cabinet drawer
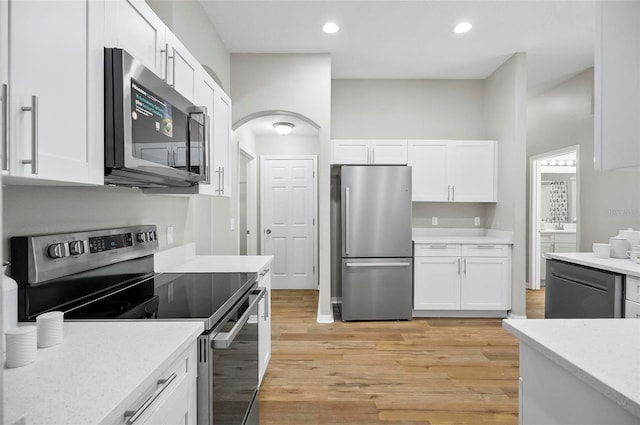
pixel 632 289
pixel 437 250
pixel 546 238
pixel 562 238
pixel 631 310
pixel 484 250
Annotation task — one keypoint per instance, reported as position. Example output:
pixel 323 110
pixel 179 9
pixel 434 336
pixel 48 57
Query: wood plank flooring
pixel 424 371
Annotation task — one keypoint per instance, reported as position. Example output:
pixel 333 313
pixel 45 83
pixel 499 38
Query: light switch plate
pixel 434 221
pixel 476 221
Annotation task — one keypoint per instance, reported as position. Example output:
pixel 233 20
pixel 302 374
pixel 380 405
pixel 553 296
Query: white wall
pixel 562 117
pixel 299 83
pixel 505 119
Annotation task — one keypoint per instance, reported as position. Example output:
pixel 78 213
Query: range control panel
pixel 47 257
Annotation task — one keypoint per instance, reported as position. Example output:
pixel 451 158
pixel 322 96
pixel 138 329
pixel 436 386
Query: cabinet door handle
pixel 165 51
pixel 449 193
pixel 133 415
pixel 458 266
pixel 34 134
pixel 5 127
pixel 266 305
pixel 464 262
pixel 373 155
pixel 453 193
pixel 173 67
pixel 222 186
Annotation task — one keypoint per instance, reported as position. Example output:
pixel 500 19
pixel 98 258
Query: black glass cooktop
pixel 204 296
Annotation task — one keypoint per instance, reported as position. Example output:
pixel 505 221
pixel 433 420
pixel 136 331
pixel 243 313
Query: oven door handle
pixel 225 339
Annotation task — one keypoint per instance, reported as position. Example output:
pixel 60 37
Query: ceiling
pixel 415 39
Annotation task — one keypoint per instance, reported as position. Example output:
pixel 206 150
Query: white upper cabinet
pixel 53 83
pixel 182 68
pixel 617 84
pixel 359 152
pixel 4 85
pixel 133 26
pixel 221 168
pixel 453 170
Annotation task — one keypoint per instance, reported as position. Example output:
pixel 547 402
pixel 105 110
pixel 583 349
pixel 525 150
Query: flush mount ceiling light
pixel 462 27
pixel 283 128
pixel 330 28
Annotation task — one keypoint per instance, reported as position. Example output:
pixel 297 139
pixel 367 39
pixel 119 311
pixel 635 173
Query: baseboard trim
pixel 461 313
pixel 516 316
pixel 325 318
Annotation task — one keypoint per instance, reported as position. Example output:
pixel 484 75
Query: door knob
pixel 268 231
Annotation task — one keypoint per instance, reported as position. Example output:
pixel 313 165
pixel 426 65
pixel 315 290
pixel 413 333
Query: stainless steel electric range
pixel 108 275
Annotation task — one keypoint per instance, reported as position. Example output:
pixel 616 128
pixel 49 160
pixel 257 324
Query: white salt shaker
pixel 50 328
pixel 21 346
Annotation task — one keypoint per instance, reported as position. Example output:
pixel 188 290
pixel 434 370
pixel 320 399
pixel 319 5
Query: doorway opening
pixel 554 208
pixel 293 181
pixel 247 204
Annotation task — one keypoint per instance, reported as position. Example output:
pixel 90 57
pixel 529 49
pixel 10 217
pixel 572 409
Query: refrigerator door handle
pixel 391 264
pixel 347 213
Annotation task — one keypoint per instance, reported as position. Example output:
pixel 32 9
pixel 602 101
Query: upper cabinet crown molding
pixel 617 85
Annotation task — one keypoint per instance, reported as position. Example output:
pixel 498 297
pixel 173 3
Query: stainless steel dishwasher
pixel 575 291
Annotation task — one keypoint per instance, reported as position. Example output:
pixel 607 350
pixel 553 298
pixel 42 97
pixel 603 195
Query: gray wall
pixel 298 83
pixel 413 109
pixel 189 22
pixel 505 117
pixel 29 210
pixel 562 117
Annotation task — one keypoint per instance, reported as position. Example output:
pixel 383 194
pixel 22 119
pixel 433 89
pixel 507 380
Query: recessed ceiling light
pixel 331 28
pixel 462 27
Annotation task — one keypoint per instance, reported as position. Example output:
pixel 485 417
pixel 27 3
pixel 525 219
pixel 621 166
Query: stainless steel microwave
pixel 153 136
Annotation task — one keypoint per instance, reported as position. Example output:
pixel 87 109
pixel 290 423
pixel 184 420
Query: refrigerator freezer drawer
pixel 377 289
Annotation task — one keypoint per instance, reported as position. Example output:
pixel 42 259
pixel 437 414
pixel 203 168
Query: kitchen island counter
pixel 96 373
pixel 593 361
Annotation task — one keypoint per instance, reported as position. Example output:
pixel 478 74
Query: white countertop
pixel 97 371
pixel 603 353
pixel 558 231
pixel 616 265
pixel 461 236
pixel 182 259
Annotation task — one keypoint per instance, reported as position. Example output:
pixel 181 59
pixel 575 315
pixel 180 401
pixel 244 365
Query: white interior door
pixel 288 209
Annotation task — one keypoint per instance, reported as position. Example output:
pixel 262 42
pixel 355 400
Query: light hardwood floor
pixel 425 371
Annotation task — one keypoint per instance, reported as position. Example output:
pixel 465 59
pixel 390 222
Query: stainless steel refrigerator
pixel 372 250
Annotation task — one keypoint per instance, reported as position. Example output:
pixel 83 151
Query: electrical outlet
pixel 232 225
pixel 169 235
pixel 434 221
pixel 476 221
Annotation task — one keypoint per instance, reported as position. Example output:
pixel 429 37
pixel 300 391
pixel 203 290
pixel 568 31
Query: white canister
pixel 633 236
pixel 9 302
pixel 22 344
pixel 50 328
pixel 619 247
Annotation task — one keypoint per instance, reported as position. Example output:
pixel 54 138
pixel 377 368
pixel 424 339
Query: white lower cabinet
pixel 632 297
pixel 172 400
pixel 264 322
pixel 457 277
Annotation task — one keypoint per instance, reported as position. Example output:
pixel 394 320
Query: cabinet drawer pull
pixel 133 415
pixel 438 247
pixel 5 127
pixel 485 246
pixel 34 134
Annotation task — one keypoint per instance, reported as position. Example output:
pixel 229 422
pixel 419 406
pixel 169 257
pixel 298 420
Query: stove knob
pixel 57 250
pixel 152 236
pixel 76 247
pixel 141 237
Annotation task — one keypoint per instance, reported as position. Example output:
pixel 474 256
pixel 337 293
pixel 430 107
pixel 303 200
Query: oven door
pixel 228 367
